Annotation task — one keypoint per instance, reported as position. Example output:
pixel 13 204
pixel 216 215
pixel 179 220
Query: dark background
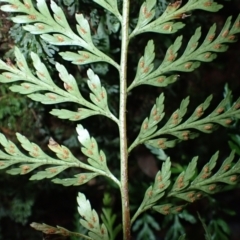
pixel 23 202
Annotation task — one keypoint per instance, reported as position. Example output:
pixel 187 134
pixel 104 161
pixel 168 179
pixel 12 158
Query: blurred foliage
pixel 145 226
pixel 17 113
pixel 28 42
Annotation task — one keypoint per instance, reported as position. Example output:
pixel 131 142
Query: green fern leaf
pixel 78 179
pixel 90 219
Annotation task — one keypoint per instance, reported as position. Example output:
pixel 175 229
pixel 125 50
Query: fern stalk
pixel 122 122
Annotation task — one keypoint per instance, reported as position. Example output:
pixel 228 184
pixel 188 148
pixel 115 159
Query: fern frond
pixel 111 6
pixel 55 29
pixel 38 158
pixel 90 219
pixel 49 230
pixel 183 131
pixel 157 190
pixel 190 59
pixel 42 81
pixel 188 186
pixel 166 23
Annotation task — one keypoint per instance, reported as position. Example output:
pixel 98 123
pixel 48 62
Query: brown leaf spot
pixel 50 231
pixel 188 65
pixel 101 158
pixel 60 38
pixel 180 180
pixel 149 14
pixel 237 25
pixel 179 209
pixel 228 121
pixel 40 26
pixel 161 144
pixel 175 5
pixel 52 170
pixel 32 17
pixel 220 110
pixel 90 225
pixel 145 126
pixel 161 186
pixel 225 33
pixel 171 58
pixel 11 149
pixel 185 135
pixel 207 55
pixel 190 195
pixel 90 152
pixel 9 62
pixel 212 187
pixel 92 145
pixel 159 178
pixel 206 169
pixel 67 87
pixel 86 56
pixel 83 31
pixel 25 169
pixel 233 178
pixel 142 64
pixel 208 4
pixel 199 195
pixel 179 16
pixel 7 76
pixel 217 46
pixel 20 64
pixel 28 6
pixel 102 95
pixel 36 148
pixel 161 79
pixel 51 96
pixel 166 209
pixel 154 111
pixel 208 127
pixel 231 37
pixel 41 74
pixel 199 111
pixel 35 154
pixel 144 10
pixel 205 175
pixel 94 86
pixel 14 6
pixel 167 27
pixel 81 179
pixel 146 13
pixel 226 167
pixel 65 153
pixel 180 185
pixel 175 116
pixel 102 231
pixel 194 45
pixel 94 219
pixel 237 106
pixel 150 193
pixel 211 37
pixel 146 70
pixel 192 199
pixel 26 86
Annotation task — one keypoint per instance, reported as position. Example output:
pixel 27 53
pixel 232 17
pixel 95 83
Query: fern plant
pixel 165 195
